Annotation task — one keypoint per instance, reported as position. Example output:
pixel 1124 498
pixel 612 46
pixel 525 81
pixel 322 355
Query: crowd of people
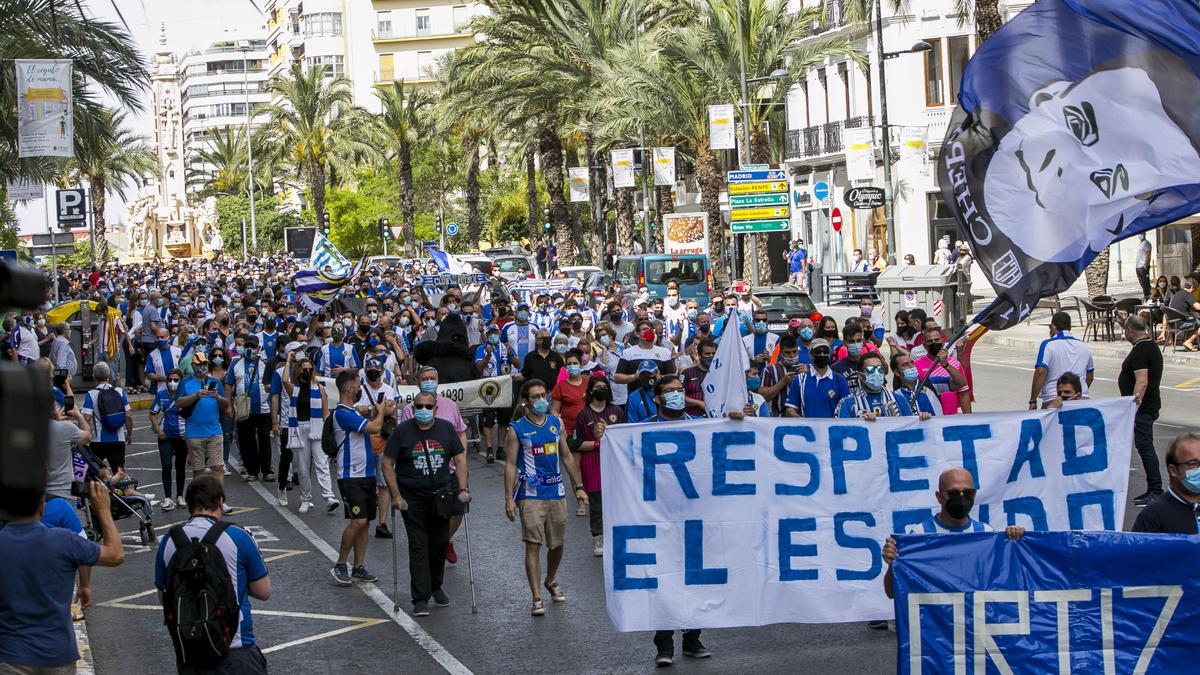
pixel 311 400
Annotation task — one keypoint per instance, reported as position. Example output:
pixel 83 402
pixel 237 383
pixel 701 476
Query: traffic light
pixel 546 216
pixel 437 219
pixel 325 229
pixel 383 228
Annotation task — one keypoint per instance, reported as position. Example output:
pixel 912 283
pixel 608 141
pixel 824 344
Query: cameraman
pixel 39 566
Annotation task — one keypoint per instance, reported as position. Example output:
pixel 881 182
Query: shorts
pixel 240 661
pixel 543 521
pixel 206 452
pixel 358 497
pixel 490 417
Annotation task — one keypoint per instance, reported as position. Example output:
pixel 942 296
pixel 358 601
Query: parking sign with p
pixel 72 208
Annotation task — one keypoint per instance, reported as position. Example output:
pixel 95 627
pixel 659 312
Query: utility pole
pixel 637 45
pixel 886 133
pixel 746 133
pixel 244 47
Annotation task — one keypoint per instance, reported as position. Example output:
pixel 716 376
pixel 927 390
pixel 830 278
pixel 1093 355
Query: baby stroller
pixel 124 500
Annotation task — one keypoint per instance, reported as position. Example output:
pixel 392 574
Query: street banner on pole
pixel 622 168
pixel 577 179
pixel 45 127
pixel 860 157
pixel 719 523
pixel 24 188
pixel 721 134
pixel 685 233
pixel 912 148
pixel 1052 602
pixel 664 166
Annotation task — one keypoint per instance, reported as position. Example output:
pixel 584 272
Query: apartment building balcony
pixel 387 77
pixel 391 36
pixel 820 142
pixel 938 120
pixel 834 19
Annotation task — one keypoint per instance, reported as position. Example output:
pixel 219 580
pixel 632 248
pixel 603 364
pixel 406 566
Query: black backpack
pixel 200 603
pixel 111 409
pixel 328 441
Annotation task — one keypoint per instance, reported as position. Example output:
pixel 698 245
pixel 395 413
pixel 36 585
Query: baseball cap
pixel 199 357
pixel 819 342
pixel 293 346
pixel 648 366
pixel 793 323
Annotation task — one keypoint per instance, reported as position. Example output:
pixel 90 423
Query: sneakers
pixel 420 608
pixel 268 477
pixel 878 625
pixel 539 608
pixel 283 498
pixel 580 511
pixel 341 575
pixel 332 505
pixel 598 545
pixel 305 507
pixel 227 471
pixel 490 456
pixel 665 657
pixel 226 509
pixel 556 592
pixel 167 504
pixel 382 531
pixel 361 574
pixel 501 455
pixel 695 650
pixel 451 554
pixel 440 598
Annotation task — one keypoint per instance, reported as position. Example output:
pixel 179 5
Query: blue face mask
pixel 1191 481
pixel 429 386
pixel 162 344
pixel 423 415
pixel 493 339
pixel 560 348
pixel 874 380
pixel 909 374
pixel 854 348
pixel 806 333
pixel 692 314
pixel 573 370
pixel 760 327
pixel 753 383
pixel 522 315
pixel 541 406
pixel 674 400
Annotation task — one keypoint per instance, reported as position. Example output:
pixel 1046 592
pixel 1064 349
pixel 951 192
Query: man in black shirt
pixel 542 364
pixel 1141 373
pixel 1177 511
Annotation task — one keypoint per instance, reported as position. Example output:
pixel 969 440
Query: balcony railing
pixel 823 139
pixel 834 18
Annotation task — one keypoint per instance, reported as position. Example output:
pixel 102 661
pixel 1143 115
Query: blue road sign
pixel 429 244
pixel 452 229
pixel 756 176
pixel 8 254
pixel 821 191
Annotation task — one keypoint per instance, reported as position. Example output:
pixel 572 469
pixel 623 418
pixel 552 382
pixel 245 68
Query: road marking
pixel 282 553
pixel 259 533
pixel 139 454
pixel 406 622
pixel 367 623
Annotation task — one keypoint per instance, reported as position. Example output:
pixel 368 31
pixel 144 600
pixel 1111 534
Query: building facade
pixel 412 36
pixel 332 34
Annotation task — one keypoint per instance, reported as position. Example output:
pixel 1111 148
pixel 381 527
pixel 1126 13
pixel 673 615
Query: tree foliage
pixel 270 221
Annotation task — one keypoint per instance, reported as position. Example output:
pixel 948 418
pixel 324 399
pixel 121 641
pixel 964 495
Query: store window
pixel 934 94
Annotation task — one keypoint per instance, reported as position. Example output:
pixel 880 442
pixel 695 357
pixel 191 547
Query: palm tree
pixel 316 129
pixel 219 168
pixel 106 157
pixel 105 56
pixel 403 124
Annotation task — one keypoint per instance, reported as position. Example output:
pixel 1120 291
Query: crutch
pixel 395 572
pixel 470 571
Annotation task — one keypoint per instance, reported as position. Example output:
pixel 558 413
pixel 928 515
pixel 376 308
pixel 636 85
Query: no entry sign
pixel 835 219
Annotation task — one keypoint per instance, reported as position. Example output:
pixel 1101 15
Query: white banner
pixel 45 126
pixel 24 188
pixel 685 233
pixel 913 148
pixel 721 134
pixel 725 383
pixel 720 523
pixel 622 168
pixel 860 156
pixel 491 392
pixel 577 179
pixel 664 166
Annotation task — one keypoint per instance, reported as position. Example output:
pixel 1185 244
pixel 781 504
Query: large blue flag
pixel 1078 126
pixel 1052 602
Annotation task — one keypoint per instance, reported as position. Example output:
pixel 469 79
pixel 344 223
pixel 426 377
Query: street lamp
pixel 243 46
pixel 920 46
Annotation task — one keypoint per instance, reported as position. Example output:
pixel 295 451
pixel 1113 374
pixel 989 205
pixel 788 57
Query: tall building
pixel 216 83
pixel 411 36
pixel 333 34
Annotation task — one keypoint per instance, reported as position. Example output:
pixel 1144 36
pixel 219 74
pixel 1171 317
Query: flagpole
pixel 925 380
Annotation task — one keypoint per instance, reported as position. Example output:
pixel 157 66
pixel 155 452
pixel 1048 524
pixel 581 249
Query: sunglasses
pixel 874 369
pixel 970 492
pixel 423 406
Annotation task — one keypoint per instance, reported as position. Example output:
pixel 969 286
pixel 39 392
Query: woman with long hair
pixel 589 430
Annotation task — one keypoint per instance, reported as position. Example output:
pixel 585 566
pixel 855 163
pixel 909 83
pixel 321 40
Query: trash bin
pixel 815 290
pixel 933 288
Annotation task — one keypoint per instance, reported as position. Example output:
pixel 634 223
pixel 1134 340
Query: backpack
pixel 200 603
pixel 328 441
pixel 111 407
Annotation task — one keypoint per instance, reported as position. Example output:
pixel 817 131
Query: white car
pixel 580 272
pixel 515 267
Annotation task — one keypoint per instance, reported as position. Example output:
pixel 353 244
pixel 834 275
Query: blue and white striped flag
pixel 328 272
pixel 326 258
pixel 440 259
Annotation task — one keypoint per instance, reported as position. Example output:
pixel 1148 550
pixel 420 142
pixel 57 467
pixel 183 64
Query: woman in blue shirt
pixel 168 427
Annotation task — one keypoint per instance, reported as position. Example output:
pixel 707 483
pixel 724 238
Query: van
pixel 654 270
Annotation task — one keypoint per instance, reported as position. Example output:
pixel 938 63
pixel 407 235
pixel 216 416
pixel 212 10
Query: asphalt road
pixel 312 626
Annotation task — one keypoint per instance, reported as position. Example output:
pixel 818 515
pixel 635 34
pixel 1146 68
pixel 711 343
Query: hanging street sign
pixel 759 214
pixel 864 197
pixel 746 176
pixel 761 226
pixel 757 188
pixel 744 201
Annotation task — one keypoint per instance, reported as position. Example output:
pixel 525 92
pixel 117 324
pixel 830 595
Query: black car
pixel 784 303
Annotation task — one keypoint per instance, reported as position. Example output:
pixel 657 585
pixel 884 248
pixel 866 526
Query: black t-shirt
pixel 422 456
pixel 1167 514
pixel 544 368
pixel 1144 356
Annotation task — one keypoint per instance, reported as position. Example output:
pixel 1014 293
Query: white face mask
pixel 672 301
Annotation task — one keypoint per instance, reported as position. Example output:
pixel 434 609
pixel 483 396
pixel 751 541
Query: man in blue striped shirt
pixel 356 474
pixel 338 355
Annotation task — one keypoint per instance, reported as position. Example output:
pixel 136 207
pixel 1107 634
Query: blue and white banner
pixel 1053 602
pixel 720 523
pixel 725 384
pixel 1043 167
pixel 326 258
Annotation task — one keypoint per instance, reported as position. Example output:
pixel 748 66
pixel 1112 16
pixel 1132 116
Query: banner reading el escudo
pixel 45 127
pixel 720 523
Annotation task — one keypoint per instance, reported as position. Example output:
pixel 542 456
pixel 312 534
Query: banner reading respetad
pixel 45 127
pixel 1053 602
pixel 718 523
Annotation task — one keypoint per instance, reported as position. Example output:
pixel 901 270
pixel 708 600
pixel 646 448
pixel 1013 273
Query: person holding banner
pixel 944 372
pixel 492 359
pixel 537 454
pixel 905 379
pixel 1177 511
pixel 875 400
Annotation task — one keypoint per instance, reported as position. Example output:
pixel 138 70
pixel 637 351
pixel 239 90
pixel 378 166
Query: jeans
pixel 1143 277
pixel 173 450
pixel 666 638
pixel 240 661
pixel 254 442
pixel 595 514
pixel 428 536
pixel 1143 440
pixel 285 459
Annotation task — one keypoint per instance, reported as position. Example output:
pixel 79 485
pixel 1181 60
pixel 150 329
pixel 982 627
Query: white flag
pixel 860 158
pixel 721 127
pixel 622 168
pixel 577 179
pixel 912 149
pixel 45 125
pixel 725 385
pixel 664 166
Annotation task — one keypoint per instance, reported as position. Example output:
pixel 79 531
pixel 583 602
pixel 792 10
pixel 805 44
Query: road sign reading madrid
pixel 759 214
pixel 757 188
pixel 761 226
pixel 744 201
pixel 743 176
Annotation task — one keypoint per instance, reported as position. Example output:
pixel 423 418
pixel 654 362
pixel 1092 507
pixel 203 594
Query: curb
pixel 1178 359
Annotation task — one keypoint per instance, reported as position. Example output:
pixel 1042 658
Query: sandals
pixel 539 609
pixel 555 589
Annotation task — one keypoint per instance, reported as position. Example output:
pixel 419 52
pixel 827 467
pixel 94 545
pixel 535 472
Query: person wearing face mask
pixel 1068 388
pixel 248 379
pixel 362 339
pixel 161 360
pixel 589 428
pixel 269 338
pixel 1060 354
pixel 172 449
pixel 693 377
pixel 777 377
pixel 337 356
pixel 956 495
pixel 546 317
pixel 544 363
pixel 280 417
pixel 306 406
pixel 1176 511
pixel 567 397
pixel 493 360
pixel 631 366
pixel 906 379
pixel 760 344
pixel 947 378
pixel 618 322
pixel 854 348
pixel 874 400
pixel 376 388
pixel 874 321
pixel 200 400
pixel 538 456
pixel 817 390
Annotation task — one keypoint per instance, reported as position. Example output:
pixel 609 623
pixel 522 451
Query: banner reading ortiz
pixel 1053 602
pixel 716 523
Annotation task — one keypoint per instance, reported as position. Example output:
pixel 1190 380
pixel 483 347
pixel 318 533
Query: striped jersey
pixel 539 473
pixel 335 356
pixel 246 377
pixel 91 406
pixel 163 361
pixel 935 526
pixel 355 457
pixel 167 412
pixel 519 339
